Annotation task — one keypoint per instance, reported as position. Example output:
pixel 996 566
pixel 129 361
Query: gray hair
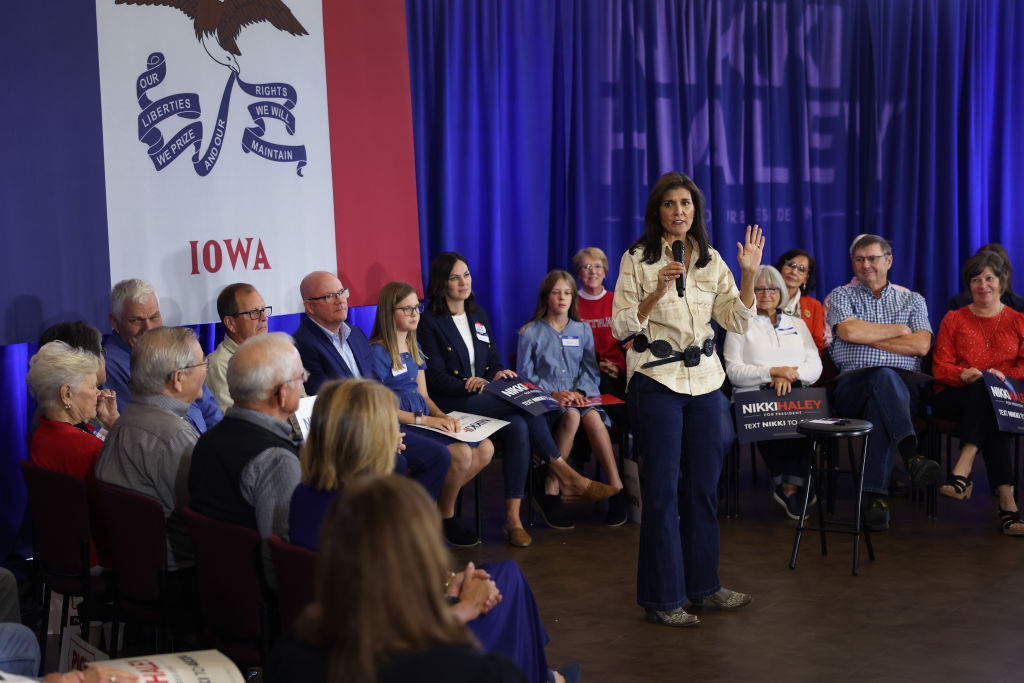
pixel 53 366
pixel 775 278
pixel 134 290
pixel 157 354
pixel 867 239
pixel 261 364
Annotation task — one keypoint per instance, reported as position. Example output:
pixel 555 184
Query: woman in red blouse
pixel 63 381
pixel 797 269
pixel 985 336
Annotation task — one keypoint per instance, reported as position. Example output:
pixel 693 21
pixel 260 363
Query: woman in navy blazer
pixel 462 357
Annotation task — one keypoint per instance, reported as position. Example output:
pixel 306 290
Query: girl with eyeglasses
pixel 556 352
pixel 398 364
pixel 777 350
pixel 797 269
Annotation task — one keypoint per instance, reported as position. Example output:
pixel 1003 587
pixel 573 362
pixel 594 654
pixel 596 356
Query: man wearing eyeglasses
pixel 244 315
pixel 135 309
pixel 880 329
pixel 331 348
pixel 245 469
pixel 149 448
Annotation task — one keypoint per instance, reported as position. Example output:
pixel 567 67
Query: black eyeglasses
pixel 256 313
pixel 410 310
pixel 762 290
pixel 186 368
pixel 796 266
pixel 873 259
pixel 333 296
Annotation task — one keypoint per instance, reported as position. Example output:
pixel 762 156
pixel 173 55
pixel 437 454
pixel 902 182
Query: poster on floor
pixel 765 416
pixel 1008 402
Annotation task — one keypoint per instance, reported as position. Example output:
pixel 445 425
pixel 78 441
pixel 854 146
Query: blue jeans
pixel 19 650
pixel 680 440
pixel 880 397
pixel 524 433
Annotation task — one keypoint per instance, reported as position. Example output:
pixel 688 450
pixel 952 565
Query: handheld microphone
pixel 677 254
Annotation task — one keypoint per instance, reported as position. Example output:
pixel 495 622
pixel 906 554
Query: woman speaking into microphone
pixel 672 373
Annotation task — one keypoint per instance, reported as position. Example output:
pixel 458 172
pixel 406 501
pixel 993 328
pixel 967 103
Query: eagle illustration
pixel 218 22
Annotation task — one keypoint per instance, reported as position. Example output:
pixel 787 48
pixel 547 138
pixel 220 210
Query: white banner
pixel 216 151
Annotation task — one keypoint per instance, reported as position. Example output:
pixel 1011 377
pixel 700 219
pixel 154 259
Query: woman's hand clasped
pixel 443 422
pixel 568 398
pixel 970 375
pixel 476 592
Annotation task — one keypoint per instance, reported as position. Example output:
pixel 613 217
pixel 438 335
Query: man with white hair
pixel 135 309
pixel 149 448
pixel 243 314
pixel 245 469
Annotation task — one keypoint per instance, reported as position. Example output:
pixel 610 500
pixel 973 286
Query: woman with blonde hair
pixel 398 364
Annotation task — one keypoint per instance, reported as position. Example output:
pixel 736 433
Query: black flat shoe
pixel 553 511
pixel 457 535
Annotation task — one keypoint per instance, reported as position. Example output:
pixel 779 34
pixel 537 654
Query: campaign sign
pixel 602 400
pixel 523 394
pixel 764 415
pixel 472 428
pixel 1007 401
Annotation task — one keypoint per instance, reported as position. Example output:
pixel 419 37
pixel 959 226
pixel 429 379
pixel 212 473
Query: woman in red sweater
pixel 985 336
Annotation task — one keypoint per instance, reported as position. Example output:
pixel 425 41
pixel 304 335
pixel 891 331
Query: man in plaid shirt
pixel 878 328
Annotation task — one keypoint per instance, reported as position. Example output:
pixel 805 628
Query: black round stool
pixel 825 435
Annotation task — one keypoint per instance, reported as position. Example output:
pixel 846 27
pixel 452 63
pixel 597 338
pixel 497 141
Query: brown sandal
pixel 958 487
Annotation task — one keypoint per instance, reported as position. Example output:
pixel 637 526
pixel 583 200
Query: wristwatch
pixel 418 415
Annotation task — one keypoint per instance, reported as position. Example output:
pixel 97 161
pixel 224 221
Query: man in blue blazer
pixel 331 348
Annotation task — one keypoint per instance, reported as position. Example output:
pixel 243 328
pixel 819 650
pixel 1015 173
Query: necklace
pixel 988 339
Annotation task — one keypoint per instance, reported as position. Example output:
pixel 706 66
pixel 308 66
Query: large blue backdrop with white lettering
pixel 541 125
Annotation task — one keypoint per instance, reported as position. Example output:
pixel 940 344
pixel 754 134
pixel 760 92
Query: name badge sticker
pixel 570 341
pixel 481 333
pixel 395 372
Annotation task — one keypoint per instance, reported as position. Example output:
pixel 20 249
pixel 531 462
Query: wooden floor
pixel 942 601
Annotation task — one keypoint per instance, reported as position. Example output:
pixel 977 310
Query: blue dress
pixel 404 383
pixel 512 628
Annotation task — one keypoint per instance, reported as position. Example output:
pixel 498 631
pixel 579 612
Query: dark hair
pixel 986 259
pixel 788 256
pixel 546 285
pixel 77 334
pixel 1001 250
pixel 437 283
pixel 227 302
pixel 651 239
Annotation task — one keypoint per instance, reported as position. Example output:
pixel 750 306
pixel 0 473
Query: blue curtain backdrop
pixel 540 124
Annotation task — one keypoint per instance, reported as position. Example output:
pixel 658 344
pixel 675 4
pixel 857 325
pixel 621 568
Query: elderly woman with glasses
pixel 777 351
pixel 797 268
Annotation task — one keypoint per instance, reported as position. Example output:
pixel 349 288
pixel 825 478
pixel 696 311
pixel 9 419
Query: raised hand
pixel 749 253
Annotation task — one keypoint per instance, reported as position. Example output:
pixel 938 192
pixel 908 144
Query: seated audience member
pixel 1008 297
pixel 353 433
pixel 776 351
pixel 332 349
pixel 594 306
pixel 556 352
pixel 462 358
pixel 398 364
pixel 243 315
pixel 149 448
pixel 797 268
pixel 986 335
pixel 135 309
pixel 880 328
pixel 19 651
pixel 245 469
pixel 79 334
pixel 381 612
pixel 63 381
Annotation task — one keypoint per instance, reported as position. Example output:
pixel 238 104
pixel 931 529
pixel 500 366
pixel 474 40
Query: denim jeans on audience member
pixel 680 440
pixel 19 650
pixel 880 397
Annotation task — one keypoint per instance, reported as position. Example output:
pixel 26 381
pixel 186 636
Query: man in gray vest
pixel 245 469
